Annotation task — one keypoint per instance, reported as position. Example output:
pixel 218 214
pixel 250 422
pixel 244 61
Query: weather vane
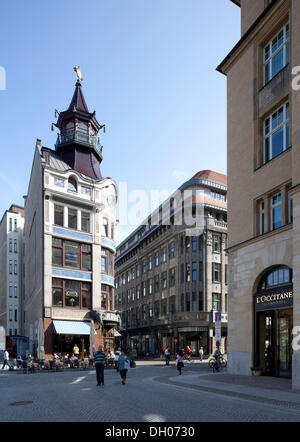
pixel 78 73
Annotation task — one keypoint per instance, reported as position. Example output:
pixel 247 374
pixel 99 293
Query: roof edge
pixel 245 36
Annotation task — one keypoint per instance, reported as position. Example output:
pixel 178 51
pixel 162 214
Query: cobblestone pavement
pixel 154 393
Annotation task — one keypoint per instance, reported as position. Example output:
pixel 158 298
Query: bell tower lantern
pixel 78 143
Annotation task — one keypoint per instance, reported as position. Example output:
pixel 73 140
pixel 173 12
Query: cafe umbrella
pixel 92 339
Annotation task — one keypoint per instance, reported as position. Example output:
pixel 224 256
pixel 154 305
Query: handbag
pixel 127 366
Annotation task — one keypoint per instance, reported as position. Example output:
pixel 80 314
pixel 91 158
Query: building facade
pixel 69 240
pixel 263 196
pixel 171 277
pixel 11 266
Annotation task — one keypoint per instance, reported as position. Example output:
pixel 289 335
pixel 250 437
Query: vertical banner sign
pixel 218 328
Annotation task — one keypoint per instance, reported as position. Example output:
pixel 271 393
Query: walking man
pixel 167 355
pixel 5 359
pixel 99 359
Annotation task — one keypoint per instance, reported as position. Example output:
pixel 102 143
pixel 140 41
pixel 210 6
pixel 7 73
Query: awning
pixel 72 327
pixel 116 333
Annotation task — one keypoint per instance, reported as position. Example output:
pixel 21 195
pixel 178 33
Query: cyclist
pixel 188 352
pixel 217 355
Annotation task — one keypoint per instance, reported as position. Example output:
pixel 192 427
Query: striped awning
pixel 72 327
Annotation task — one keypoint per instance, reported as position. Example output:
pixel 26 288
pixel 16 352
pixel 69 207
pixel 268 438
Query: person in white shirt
pixel 117 354
pixel 5 359
pixel 167 355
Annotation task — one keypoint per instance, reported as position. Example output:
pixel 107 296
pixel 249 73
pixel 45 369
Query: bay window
pixel 69 293
pixel 71 254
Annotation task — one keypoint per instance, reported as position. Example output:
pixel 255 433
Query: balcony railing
pixel 79 136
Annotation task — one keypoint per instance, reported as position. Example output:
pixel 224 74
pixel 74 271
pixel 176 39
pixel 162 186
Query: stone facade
pixel 11 266
pixel 69 241
pixel 255 176
pixel 166 287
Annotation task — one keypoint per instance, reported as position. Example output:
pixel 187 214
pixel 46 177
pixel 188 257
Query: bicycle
pixel 188 359
pixel 217 364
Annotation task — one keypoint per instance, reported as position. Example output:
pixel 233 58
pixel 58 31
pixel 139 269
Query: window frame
pixel 268 136
pixel 62 287
pixel 268 61
pixel 81 254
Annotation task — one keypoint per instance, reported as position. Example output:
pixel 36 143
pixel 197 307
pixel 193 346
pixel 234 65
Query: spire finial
pixel 78 73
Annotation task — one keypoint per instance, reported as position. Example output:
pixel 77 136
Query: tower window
pixel 72 185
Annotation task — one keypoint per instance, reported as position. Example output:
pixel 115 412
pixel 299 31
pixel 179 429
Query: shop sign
pixel 192 329
pixel 273 300
pixel 191 317
pixel 218 322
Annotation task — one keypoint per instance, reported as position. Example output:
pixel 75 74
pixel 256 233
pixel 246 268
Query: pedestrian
pixel 5 359
pixel 201 353
pixel 76 351
pixel 123 364
pixel 99 360
pixel 167 356
pixel 179 361
pixel 117 355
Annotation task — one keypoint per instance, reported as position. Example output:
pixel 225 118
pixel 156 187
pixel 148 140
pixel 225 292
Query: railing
pixel 78 136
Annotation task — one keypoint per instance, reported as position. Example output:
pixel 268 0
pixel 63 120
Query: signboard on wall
pixel 218 323
pixel 275 300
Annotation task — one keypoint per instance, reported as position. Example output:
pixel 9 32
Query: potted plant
pixel 256 371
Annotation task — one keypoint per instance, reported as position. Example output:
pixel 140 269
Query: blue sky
pixel 149 72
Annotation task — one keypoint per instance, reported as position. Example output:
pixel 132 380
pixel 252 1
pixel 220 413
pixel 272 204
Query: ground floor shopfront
pixel 199 332
pixel 63 336
pixel 263 307
pixel 273 324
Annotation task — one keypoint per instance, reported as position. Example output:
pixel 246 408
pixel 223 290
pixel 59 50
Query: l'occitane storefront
pixel 273 323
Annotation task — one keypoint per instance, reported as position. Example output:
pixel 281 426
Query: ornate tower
pixel 77 143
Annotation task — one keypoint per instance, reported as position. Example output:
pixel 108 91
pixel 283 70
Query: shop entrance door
pixel 284 344
pixel 274 338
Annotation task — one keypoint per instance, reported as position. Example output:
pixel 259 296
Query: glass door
pixel 284 340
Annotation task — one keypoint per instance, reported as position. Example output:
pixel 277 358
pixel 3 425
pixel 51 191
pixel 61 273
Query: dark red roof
pixel 211 176
pixel 78 100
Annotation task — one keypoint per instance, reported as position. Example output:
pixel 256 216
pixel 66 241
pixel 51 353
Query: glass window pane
pixel 277 62
pixel 58 215
pixel 72 254
pixel 86 262
pixel 277 142
pixel 57 257
pixel 72 218
pixel 56 242
pixel 85 222
pixel 86 295
pixel 57 297
pixel 277 217
pixel 72 293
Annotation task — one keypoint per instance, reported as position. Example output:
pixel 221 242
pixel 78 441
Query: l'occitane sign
pixel 274 300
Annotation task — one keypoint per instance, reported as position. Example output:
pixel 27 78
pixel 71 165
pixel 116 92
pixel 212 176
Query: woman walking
pixel 123 365
pixel 179 361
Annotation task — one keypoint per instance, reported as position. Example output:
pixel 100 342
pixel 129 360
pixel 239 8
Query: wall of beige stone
pixel 250 10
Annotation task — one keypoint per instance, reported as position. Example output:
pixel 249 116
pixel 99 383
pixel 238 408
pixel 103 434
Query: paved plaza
pixel 154 393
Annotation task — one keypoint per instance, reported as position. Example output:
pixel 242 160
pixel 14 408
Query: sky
pixel 149 69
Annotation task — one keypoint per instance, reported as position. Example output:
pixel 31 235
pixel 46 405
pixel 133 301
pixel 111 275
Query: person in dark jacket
pixel 99 360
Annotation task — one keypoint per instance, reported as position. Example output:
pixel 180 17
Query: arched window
pixel 72 184
pixel 276 277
